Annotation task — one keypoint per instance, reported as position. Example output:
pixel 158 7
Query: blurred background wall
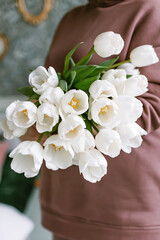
pixel 27 44
pixel 27 48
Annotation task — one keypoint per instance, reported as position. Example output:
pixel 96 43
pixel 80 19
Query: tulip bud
pixel 144 55
pixel 108 43
pixel 92 165
pixel 27 158
pixel 130 69
pixel 108 142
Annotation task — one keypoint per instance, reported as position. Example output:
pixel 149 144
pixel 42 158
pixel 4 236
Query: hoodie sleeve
pixel 147 31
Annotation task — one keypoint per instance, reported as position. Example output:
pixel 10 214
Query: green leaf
pixel 88 125
pixel 37 103
pixel 68 57
pixel 54 129
pixel 27 91
pixel 103 66
pixel 128 76
pixel 59 76
pixel 87 58
pixel 73 75
pixel 85 84
pixel 34 97
pixel 97 71
pixel 63 85
pixel 109 63
pixel 47 134
pixel 84 72
pixel 72 62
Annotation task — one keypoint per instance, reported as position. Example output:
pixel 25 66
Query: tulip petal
pixel 108 142
pixel 102 87
pixel 71 127
pixel 27 158
pixel 144 55
pixel 58 153
pixel 85 142
pixel 92 165
pixel 108 43
pixel 129 108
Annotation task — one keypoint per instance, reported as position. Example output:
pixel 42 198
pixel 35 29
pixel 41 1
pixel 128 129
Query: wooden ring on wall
pixel 34 19
pixel 3 45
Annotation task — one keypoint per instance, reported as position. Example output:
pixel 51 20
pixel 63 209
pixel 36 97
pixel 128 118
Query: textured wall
pixel 28 45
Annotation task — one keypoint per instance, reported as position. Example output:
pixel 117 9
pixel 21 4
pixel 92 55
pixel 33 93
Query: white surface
pixel 13 224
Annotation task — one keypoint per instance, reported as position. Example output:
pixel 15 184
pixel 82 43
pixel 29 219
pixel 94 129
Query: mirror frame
pixel 34 19
pixel 5 43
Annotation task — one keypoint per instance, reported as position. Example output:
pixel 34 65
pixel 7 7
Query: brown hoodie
pixel 125 204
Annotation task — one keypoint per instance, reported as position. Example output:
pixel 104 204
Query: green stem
pixel 40 137
pixel 118 64
pixel 93 125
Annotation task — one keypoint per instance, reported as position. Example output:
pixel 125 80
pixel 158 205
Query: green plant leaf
pixel 68 57
pixel 84 72
pixel 87 58
pixel 59 76
pixel 54 129
pixel 26 91
pixel 97 71
pixel 128 76
pixel 47 134
pixel 109 63
pixel 88 126
pixel 73 75
pixel 85 84
pixel 63 85
pixel 34 97
pixel 103 66
pixel 72 62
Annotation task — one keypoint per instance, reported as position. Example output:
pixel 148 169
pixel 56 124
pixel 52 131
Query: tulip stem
pixel 40 137
pixel 93 125
pixel 118 64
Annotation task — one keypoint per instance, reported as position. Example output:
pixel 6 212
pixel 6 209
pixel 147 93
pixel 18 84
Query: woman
pixel 125 204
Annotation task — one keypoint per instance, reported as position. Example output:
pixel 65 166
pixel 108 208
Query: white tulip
pixel 47 117
pixel 108 43
pixel 27 158
pixel 102 87
pixel 108 142
pixel 129 108
pixel 21 114
pixel 144 55
pixel 58 153
pixel 40 79
pixel 105 112
pixel 11 132
pixel 52 95
pixel 85 142
pixel 117 77
pixel 92 165
pixel 75 160
pixel 129 69
pixel 71 127
pixel 74 102
pixel 130 135
pixel 136 85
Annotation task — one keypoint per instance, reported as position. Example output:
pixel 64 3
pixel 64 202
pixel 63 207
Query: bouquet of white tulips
pixel 86 112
